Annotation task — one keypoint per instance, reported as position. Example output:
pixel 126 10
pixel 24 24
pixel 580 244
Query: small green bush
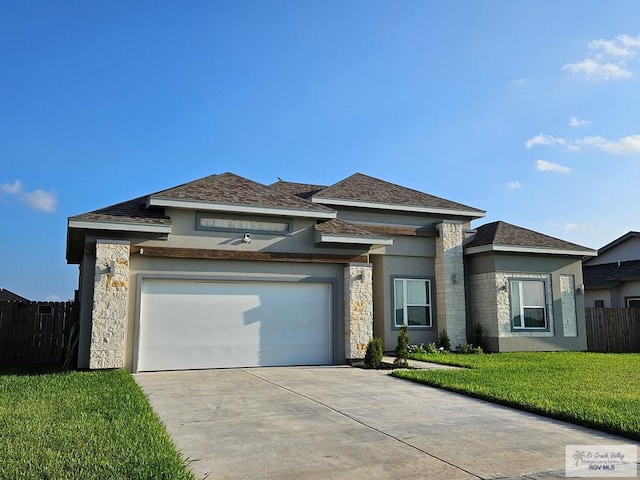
pixel 444 342
pixel 373 355
pixel 478 333
pixel 468 349
pixel 402 349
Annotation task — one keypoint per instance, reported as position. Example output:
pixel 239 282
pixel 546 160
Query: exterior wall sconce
pixel 502 288
pixel 111 268
pixel 580 289
pixel 454 278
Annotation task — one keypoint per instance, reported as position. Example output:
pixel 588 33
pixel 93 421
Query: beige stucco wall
pixel 590 297
pixel 386 268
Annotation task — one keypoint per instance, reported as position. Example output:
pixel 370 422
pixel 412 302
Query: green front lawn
pixel 597 390
pixel 81 425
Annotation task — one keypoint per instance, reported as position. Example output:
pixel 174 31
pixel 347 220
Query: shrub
pixel 468 349
pixel 373 355
pixel 402 349
pixel 478 333
pixel 444 342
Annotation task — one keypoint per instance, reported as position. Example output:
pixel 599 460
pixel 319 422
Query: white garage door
pixel 192 324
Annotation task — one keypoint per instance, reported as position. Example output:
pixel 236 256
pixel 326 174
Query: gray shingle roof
pixel 505 234
pixel 360 187
pixel 608 274
pixel 302 190
pixel 340 227
pixel 229 188
pixel 131 211
pixel 6 295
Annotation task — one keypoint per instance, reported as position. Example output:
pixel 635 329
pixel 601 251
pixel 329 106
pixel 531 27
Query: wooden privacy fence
pixel 613 329
pixel 37 332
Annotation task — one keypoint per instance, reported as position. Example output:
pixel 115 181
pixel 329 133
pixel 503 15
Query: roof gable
pixel 230 192
pixel 361 190
pixel 502 236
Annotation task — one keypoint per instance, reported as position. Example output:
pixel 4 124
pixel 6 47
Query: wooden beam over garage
pixel 173 252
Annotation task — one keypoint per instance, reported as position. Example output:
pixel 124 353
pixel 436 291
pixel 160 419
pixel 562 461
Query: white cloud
pixel 593 69
pixel 611 47
pixel 544 166
pixel 513 185
pixel 53 298
pixel 11 188
pixel 518 82
pixel 607 60
pixel 544 139
pixel 40 200
pixel 625 146
pixel 577 122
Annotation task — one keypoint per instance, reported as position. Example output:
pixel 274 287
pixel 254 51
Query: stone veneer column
pixel 450 295
pixel 358 309
pixel 109 315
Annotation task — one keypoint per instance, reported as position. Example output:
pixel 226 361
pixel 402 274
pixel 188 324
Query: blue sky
pixel 528 110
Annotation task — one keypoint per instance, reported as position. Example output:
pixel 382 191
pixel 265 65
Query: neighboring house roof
pixel 230 192
pixel 502 236
pixel 618 241
pixel 6 295
pixel 302 190
pixel 360 190
pixel 609 274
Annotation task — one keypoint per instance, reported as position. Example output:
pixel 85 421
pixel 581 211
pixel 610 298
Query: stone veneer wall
pixel 109 315
pixel 450 293
pixel 504 306
pixel 358 309
pixel 569 317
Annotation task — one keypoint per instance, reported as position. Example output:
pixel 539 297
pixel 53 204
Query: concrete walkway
pixel 350 423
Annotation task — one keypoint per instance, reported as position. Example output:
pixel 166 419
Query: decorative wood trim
pixel 407 231
pixel 173 252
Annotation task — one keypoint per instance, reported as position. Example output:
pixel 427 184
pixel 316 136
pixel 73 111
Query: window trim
pixel 514 328
pixel 200 215
pixel 432 315
pixel 626 300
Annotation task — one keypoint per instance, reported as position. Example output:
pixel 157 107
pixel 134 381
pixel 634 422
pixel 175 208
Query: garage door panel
pixel 189 324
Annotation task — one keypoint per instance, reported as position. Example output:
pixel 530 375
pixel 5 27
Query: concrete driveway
pixel 348 423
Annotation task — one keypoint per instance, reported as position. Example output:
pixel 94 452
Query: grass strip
pixel 81 425
pixel 596 390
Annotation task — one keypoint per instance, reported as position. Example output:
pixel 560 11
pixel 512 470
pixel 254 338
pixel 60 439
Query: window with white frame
pixel 528 304
pixel 412 302
pixel 633 302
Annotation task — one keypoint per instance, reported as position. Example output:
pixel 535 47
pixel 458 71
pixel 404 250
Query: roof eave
pixel 473 214
pixel 524 249
pixel 119 226
pixel 236 208
pixel 321 237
